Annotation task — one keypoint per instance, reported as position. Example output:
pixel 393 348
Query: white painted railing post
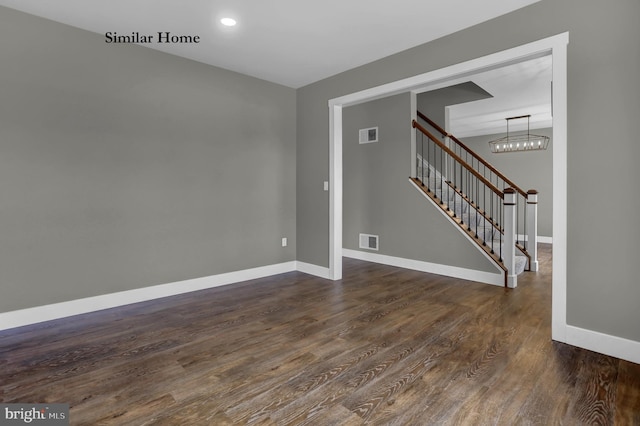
pixel 532 228
pixel 509 249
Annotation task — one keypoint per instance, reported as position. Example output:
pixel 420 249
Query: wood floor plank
pixel 595 401
pixel 383 346
pixel 628 394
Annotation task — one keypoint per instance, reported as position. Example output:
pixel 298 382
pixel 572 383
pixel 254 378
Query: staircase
pixel 498 216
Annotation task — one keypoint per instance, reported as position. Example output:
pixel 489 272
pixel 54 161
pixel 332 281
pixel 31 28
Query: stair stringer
pixel 495 279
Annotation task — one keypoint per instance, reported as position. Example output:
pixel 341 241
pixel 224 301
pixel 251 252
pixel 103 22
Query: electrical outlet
pixel 284 241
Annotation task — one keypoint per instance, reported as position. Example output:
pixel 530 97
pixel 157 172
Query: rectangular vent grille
pixel 369 135
pixel 369 242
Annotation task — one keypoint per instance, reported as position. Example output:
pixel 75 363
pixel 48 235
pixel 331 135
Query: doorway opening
pixel 556 47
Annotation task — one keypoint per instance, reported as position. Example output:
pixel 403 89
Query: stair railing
pixel 526 201
pixel 475 203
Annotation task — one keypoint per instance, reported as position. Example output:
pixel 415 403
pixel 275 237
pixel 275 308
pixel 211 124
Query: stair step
pixel 521 264
pixel 521 261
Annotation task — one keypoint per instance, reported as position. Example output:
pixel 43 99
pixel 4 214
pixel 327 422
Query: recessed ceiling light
pixel 229 22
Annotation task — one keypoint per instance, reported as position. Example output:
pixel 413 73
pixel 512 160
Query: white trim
pixel 467 236
pixel 97 303
pixel 444 76
pixel 559 173
pixel 554 45
pixel 604 343
pixel 311 269
pixel 413 100
pixel 433 268
pixel 53 311
pixel 541 239
pixel 335 192
pixel 509 238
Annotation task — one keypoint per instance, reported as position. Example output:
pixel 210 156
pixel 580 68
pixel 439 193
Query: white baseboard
pixel 315 270
pixel 541 239
pixel 434 268
pixel 598 342
pixel 91 304
pixel 618 347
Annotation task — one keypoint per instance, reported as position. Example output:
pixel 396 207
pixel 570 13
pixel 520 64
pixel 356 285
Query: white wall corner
pixel 314 270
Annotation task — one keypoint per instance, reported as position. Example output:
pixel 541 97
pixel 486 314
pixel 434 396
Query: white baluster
pixel 509 249
pixel 532 228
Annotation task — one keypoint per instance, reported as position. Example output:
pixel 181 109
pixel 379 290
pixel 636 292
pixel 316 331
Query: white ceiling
pixel 290 42
pixel 520 89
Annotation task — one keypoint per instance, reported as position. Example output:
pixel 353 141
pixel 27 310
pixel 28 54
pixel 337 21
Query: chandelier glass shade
pixel 522 142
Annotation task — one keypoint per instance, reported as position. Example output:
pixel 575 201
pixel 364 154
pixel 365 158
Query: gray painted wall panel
pixel 603 106
pixel 122 167
pixel 378 198
pixel 312 208
pixel 433 103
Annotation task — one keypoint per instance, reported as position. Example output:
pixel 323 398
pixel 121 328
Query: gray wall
pixel 603 106
pixel 378 198
pixel 123 167
pixel 433 103
pixel 529 170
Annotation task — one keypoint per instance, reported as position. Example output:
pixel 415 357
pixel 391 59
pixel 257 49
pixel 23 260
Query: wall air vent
pixel 369 242
pixel 369 135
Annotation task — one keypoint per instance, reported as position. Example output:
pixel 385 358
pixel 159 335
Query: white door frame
pixel 556 46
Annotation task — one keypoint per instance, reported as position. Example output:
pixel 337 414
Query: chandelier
pixel 513 143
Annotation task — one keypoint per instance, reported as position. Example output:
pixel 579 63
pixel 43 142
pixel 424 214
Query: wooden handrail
pixel 473 154
pixel 456 157
pixel 518 117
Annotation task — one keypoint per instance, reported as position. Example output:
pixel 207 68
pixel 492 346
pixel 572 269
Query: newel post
pixel 509 249
pixel 532 228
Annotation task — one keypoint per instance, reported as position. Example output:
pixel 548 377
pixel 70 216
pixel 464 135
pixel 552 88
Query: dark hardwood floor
pixel 382 346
